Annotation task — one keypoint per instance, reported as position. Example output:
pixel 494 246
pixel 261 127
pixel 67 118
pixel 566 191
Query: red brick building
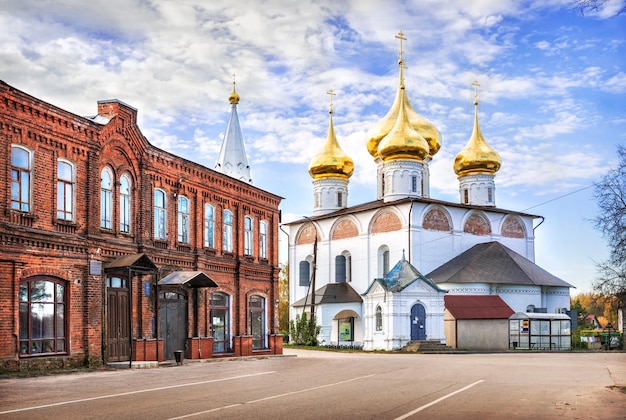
pixel 107 241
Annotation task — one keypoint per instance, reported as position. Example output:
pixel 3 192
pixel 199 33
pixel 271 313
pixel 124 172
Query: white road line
pixel 200 413
pixel 17 410
pixel 438 400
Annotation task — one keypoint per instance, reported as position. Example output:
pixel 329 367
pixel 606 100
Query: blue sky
pixel 552 89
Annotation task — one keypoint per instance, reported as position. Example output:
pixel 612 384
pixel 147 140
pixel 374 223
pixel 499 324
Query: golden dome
pixel 331 161
pixel 403 141
pixel 424 127
pixel 477 157
pixel 233 98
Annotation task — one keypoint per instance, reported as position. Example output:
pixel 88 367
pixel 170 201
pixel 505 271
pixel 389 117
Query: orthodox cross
pixel 331 93
pixel 401 37
pixel 476 85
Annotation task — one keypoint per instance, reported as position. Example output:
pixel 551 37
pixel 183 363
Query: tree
pixel 283 300
pixel 610 194
pixel 594 6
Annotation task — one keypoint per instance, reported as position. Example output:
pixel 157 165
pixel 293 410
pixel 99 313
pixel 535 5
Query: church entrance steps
pixel 426 346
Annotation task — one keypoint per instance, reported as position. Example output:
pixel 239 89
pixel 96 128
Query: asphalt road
pixel 306 384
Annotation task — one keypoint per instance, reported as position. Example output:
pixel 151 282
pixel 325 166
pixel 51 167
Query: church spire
pixel 232 160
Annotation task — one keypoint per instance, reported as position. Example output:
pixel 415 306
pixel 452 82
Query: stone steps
pixel 426 346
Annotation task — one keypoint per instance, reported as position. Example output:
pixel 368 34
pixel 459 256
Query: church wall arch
pixel 476 223
pixel 345 227
pixel 512 227
pixel 437 218
pixel 385 220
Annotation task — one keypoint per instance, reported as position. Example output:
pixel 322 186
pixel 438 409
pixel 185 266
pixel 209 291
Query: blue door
pixel 418 322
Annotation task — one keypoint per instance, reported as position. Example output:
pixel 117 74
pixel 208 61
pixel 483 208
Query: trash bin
pixel 178 355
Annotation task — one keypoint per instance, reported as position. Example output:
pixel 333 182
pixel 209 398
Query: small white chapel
pixel 375 274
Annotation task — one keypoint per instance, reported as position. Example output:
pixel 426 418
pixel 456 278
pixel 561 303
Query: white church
pixel 376 274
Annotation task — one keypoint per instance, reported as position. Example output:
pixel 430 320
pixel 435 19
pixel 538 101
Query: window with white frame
pixel 383 261
pixel 160 215
pixel 379 318
pixel 228 231
pixel 342 267
pixel 183 219
pixel 106 195
pixel 263 239
pixel 305 273
pixel 125 209
pixel 21 168
pixel 209 226
pixel 65 190
pixel 248 235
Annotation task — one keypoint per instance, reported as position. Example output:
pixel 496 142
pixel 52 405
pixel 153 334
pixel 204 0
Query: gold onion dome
pixel 331 161
pixel 233 98
pixel 424 127
pixel 477 157
pixel 403 141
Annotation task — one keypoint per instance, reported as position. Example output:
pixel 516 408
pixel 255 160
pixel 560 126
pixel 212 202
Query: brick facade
pixel 35 243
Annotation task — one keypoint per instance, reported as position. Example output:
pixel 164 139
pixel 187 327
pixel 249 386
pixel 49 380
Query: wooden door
pixel 118 328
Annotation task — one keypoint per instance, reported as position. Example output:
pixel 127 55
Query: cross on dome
pixel 331 93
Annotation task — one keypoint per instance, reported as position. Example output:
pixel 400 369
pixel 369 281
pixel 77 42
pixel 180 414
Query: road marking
pixel 122 394
pixel 438 400
pixel 286 394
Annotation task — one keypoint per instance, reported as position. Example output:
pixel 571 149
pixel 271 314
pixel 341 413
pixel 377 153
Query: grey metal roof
pixel 401 276
pixel 331 293
pixel 192 279
pixel 494 263
pixel 232 160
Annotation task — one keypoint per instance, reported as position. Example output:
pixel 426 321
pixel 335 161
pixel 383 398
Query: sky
pixel 552 90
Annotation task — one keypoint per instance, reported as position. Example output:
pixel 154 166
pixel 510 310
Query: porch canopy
pixel 192 279
pixel 131 262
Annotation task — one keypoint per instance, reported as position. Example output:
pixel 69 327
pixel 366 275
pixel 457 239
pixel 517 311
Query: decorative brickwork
pixel 307 235
pixel 386 222
pixel 345 229
pixel 436 219
pixel 476 224
pixel 74 252
pixel 513 228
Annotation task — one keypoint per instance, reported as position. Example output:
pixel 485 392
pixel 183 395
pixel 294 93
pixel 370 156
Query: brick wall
pixel 37 243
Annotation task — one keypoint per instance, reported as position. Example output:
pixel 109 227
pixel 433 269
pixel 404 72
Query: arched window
pixel 305 273
pixel 263 239
pixel 341 269
pixel 160 215
pixel 209 226
pixel 21 168
pixel 339 199
pixel 43 321
pixel 220 322
pixel 65 190
pixel 256 308
pixel 383 261
pixel 106 194
pixel 379 318
pixel 125 209
pixel 183 219
pixel 228 231
pixel 530 308
pixel 248 242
